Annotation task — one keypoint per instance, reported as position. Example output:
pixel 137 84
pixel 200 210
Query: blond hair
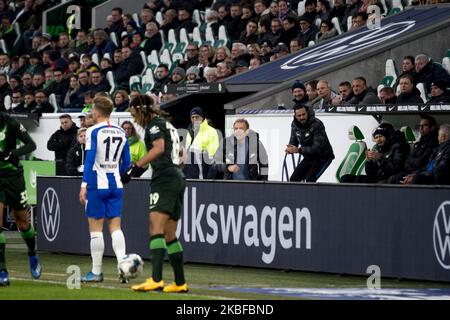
pixel 103 105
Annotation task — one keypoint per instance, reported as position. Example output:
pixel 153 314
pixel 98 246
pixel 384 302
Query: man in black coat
pixel 42 105
pixel 61 141
pixel 439 93
pixel 421 150
pixel 409 94
pixel 308 137
pixel 438 169
pixel 426 72
pixel 131 65
pixel 152 39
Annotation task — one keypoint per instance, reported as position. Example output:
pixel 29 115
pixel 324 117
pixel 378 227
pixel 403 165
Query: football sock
pixel 175 252
pixel 2 251
pixel 97 248
pixel 158 249
pixel 118 244
pixel 30 239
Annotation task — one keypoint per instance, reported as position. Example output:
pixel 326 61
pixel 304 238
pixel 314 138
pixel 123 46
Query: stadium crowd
pixel 41 73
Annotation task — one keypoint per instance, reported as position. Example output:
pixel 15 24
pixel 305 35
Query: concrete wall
pixel 100 12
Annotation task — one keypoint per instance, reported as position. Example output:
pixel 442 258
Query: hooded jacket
pixel 421 152
pixel 410 97
pixel 311 138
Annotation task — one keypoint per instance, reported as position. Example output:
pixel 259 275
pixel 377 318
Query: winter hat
pixel 382 131
pixel 197 111
pixel 298 84
pixel 179 71
pixel 440 84
pixel 193 70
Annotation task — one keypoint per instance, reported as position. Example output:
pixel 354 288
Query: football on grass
pixel 131 266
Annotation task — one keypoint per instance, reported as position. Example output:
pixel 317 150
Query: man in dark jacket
pixel 409 94
pixel 387 158
pixel 362 94
pixel 426 72
pixel 42 105
pixel 438 169
pixel 61 141
pixel 308 137
pixel 131 65
pixel 76 155
pixel 421 150
pixel 152 39
pixel 59 87
pixel 299 93
pixel 184 21
pixel 308 31
pixel 245 157
pixel 439 93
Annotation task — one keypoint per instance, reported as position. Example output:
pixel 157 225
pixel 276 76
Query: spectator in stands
pixel 224 70
pixel 44 43
pixel 408 92
pixel 249 35
pixel 210 74
pixel 266 48
pixel 254 50
pixel 279 51
pixel 235 27
pixel 407 68
pixel 74 65
pixel 70 99
pixel 27 82
pixel 345 94
pixel 14 83
pixel 438 169
pixel 238 50
pixel 116 26
pixel 323 10
pixel 205 56
pixel 42 104
pixel 81 43
pixel 117 58
pixel 105 66
pixel 307 31
pixel 221 54
pixel 224 15
pixel 352 9
pixel 38 81
pixel 98 82
pixel 273 10
pixel 212 21
pixel 387 96
pixel 7 32
pixel 65 45
pixel 193 75
pixel 49 79
pixel 259 6
pixel 83 80
pixel 290 30
pixel 76 155
pixel 295 45
pixel 146 16
pixel 4 63
pixel 137 147
pixel 192 53
pixel 439 93
pixel 87 63
pixel 5 10
pixel 59 87
pixel 90 121
pixel 427 72
pixel 178 76
pixel 137 40
pixel 421 150
pixel 88 98
pixel 285 11
pixel 309 139
pixel 273 35
pixel 184 21
pixel 102 44
pixel 325 93
pixel 299 93
pixel 359 20
pixel 152 39
pixel 5 90
pixel 121 101
pixel 170 21
pixel 310 10
pixel 241 66
pixel 363 95
pixel 162 78
pixel 311 91
pixel 255 62
pixel 327 31
pixel 202 143
pixel 30 104
pixel 17 105
pixel 386 159
pixel 338 11
pixel 244 156
pixel 131 65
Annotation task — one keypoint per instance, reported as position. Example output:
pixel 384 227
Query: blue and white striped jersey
pixel 107 156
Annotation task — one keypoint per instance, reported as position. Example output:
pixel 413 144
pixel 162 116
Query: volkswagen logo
pixel 50 214
pixel 441 235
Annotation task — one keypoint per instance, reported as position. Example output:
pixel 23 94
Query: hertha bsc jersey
pixel 107 156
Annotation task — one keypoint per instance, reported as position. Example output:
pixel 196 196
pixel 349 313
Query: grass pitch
pixel 202 280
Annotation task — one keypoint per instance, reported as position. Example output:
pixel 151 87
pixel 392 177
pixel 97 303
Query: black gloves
pixel 132 171
pixel 8 156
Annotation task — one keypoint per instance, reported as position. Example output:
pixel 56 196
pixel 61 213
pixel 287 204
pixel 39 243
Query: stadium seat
pixel 166 59
pixel 355 156
pixel 52 100
pixel 153 60
pixel 349 23
pixel 159 18
pixel 222 38
pixel 409 134
pixel 397 4
pixel 180 47
pixel 148 83
pixel 446 63
pixel 311 43
pixel 113 37
pixel 318 21
pixel 135 83
pixel 112 83
pixel 423 93
pixel 3 46
pixel 144 60
pixel 171 41
pixel 196 37
pixel 390 75
pixel 95 59
pixel 8 102
pixel 209 36
pixel 301 8
pixel 136 19
pixel 19 36
pixel 385 8
pixel 336 24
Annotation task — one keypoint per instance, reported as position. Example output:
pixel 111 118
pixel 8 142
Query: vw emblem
pixel 50 214
pixel 441 235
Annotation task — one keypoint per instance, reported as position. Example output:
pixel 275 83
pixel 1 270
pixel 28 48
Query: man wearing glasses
pixel 192 57
pixel 421 150
pixel 17 105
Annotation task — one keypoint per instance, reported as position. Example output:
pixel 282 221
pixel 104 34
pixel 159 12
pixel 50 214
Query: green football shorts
pixel 167 195
pixel 13 192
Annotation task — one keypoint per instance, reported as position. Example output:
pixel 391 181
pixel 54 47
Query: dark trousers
pixel 310 170
pixel 351 178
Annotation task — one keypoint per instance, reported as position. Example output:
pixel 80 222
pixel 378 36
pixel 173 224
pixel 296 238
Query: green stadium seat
pixel 355 156
pixel 409 134
pixel 135 83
